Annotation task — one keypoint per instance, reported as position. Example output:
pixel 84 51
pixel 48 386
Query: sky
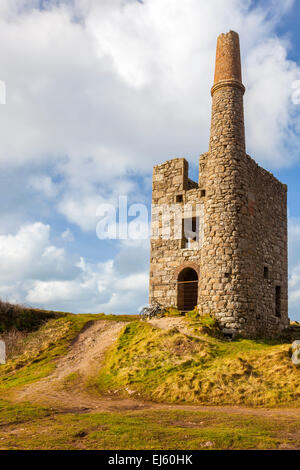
pixel 99 91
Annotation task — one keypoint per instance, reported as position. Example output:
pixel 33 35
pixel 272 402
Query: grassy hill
pixel 34 353
pixel 169 366
pixel 165 365
pixel 132 398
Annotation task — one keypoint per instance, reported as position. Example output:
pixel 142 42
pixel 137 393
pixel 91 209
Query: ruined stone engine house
pixel 232 260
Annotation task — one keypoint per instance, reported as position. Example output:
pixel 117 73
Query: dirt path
pixel 167 323
pixel 84 359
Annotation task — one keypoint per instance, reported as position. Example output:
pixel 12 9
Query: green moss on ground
pixel 16 413
pixel 38 428
pixel 203 324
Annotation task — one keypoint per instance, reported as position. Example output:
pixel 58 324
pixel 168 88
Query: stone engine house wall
pixel 241 257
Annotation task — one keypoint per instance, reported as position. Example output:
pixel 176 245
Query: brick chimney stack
pixel 226 186
pixel 227 124
pixel 228 59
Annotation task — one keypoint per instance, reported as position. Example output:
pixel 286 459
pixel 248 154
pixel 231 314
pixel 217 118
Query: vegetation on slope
pixel 162 365
pixel 166 365
pixel 35 356
pixel 13 316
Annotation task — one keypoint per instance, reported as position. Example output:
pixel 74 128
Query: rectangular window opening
pixel 203 193
pixel 190 232
pixel 266 272
pixel 278 301
pixel 179 198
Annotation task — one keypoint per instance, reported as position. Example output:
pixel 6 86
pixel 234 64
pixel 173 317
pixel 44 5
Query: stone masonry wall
pixel 238 244
pixel 265 247
pixel 242 257
pixel 167 256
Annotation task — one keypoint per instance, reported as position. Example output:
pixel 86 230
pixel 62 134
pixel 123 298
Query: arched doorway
pixel 187 290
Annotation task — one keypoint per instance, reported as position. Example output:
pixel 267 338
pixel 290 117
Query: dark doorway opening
pixel 187 297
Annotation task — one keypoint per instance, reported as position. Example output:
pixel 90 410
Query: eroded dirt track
pixel 83 359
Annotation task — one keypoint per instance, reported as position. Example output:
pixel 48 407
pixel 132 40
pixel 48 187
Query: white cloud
pixel 129 85
pixel 294 268
pixel 45 185
pixel 133 257
pixel 81 210
pixel 81 207
pixel 67 236
pixel 101 91
pixel 36 272
pixel 134 282
pixel 29 255
pixel 98 288
pixel 270 135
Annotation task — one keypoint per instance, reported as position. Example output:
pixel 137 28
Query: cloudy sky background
pixel 98 91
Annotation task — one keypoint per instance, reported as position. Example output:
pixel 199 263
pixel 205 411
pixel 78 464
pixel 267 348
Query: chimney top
pixel 228 61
